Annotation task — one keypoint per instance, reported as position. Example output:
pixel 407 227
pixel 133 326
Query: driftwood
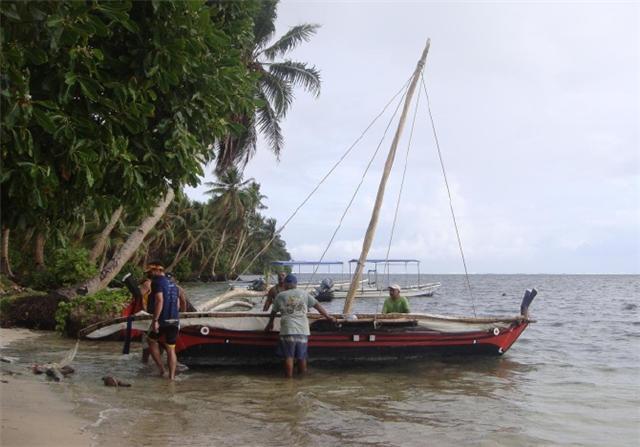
pixel 60 370
pixel 113 381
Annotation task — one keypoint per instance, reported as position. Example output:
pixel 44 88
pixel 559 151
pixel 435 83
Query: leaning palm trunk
pixel 177 257
pixel 5 265
pixel 244 254
pixel 187 250
pixel 204 264
pixel 122 254
pixel 215 258
pixel 236 255
pixel 39 250
pixel 101 242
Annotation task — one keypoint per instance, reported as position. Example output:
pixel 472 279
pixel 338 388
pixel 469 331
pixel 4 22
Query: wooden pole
pixel 371 230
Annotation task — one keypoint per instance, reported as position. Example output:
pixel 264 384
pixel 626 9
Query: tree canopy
pixel 273 91
pixel 112 101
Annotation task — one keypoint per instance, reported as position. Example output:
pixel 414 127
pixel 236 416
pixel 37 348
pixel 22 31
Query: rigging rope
pixel 453 215
pixel 335 232
pixel 306 199
pixel 404 174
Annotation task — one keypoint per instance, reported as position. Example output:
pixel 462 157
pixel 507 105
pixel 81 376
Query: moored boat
pixel 220 338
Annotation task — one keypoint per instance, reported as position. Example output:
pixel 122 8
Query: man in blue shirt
pixel 164 306
pixel 293 304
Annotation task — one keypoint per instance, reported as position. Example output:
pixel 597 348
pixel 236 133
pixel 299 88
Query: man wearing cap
pixel 164 306
pixel 293 304
pixel 395 304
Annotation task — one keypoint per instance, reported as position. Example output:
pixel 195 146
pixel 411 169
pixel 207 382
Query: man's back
pixel 293 305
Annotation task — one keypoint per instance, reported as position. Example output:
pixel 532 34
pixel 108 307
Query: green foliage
pixel 112 101
pixel 183 271
pixel 67 266
pixel 91 308
pixel 135 270
pixel 274 92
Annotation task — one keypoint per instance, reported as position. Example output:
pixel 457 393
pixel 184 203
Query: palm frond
pixel 278 92
pixel 239 148
pixel 267 121
pixel 264 22
pixel 249 144
pixel 293 37
pixel 298 74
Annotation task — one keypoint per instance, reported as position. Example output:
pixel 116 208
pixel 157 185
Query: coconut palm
pixel 276 80
pixel 231 199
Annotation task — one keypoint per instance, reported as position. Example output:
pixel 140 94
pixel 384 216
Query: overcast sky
pixel 537 109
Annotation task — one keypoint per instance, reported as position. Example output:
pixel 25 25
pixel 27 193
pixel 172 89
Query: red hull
pixel 221 346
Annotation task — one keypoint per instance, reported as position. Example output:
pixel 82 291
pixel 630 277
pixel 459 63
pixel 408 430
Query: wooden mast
pixel 368 239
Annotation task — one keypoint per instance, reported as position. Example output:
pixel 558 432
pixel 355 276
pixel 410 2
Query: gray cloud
pixel 537 107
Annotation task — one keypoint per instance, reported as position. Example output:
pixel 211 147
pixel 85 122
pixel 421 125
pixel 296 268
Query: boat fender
pixel 496 331
pixel 204 330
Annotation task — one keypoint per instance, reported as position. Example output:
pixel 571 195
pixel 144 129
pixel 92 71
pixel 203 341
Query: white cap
pixel 395 286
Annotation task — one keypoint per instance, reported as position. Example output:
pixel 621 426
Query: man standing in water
pixel 164 306
pixel 395 304
pixel 293 304
pixel 274 291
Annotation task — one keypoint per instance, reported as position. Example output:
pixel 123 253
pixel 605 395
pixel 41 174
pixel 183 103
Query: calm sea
pixel 573 378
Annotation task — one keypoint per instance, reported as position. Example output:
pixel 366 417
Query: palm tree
pixel 276 80
pixel 253 203
pixel 231 198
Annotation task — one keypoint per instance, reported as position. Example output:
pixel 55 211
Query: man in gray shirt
pixel 293 304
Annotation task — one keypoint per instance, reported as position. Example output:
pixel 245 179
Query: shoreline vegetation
pixel 110 109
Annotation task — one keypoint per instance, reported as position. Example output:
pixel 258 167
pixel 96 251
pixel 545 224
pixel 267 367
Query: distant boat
pixel 376 286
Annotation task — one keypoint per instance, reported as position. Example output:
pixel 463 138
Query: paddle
pixel 137 296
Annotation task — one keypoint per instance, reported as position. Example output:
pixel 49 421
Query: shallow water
pixel 573 378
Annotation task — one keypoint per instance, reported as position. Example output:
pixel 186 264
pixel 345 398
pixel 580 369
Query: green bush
pixel 183 271
pixel 85 310
pixel 67 267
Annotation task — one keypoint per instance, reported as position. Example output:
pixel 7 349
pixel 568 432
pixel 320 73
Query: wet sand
pixel 31 413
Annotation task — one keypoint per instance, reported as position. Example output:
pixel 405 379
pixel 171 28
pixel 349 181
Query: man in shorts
pixel 164 306
pixel 293 304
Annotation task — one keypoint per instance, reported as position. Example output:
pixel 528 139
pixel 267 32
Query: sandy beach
pixel 31 413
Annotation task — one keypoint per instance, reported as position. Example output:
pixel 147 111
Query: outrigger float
pixel 213 338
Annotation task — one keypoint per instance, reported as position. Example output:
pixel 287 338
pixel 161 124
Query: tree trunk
pixel 215 258
pixel 98 247
pixel 5 265
pixel 182 254
pixel 176 258
pixel 204 264
pixel 236 255
pixel 122 254
pixel 80 234
pixel 103 259
pixel 39 250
